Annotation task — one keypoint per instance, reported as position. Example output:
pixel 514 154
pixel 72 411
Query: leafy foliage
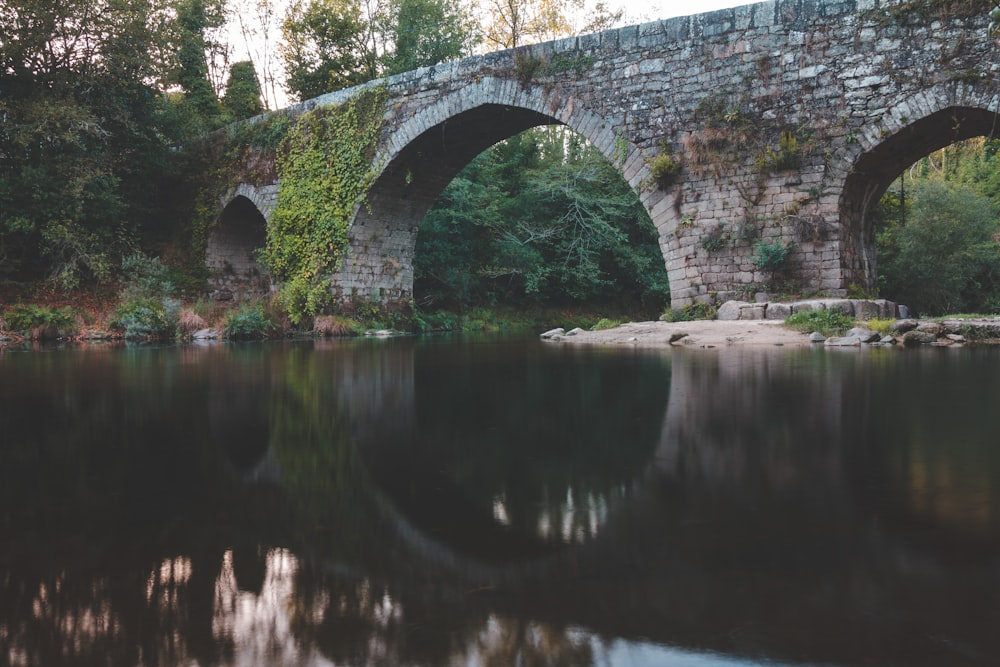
pixel 147 318
pixel 325 169
pixel 24 318
pixel 946 257
pixel 242 99
pixel 542 217
pixel 248 322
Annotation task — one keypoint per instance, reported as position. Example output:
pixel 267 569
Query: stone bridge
pixel 778 124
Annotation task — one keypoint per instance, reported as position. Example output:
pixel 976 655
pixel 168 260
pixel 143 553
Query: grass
pixel 826 322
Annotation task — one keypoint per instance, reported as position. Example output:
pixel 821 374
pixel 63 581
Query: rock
pixel 846 306
pixel 753 311
pixel 902 326
pixel 777 311
pixel 866 335
pixel 676 336
pixel 816 337
pixel 574 332
pixel 381 333
pixel 806 306
pixel 865 309
pixel 205 334
pixel 887 340
pixel 918 338
pixel 846 341
pixel 931 328
pixel 553 333
pixel 731 310
pixel 904 312
pixel 956 338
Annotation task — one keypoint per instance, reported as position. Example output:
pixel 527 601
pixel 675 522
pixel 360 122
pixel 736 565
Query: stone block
pixel 777 311
pixel 731 310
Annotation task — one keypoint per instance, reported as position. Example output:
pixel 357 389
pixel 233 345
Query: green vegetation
pixel 40 322
pixel 690 313
pixel 939 245
pixel 827 322
pixel 540 219
pixel 325 171
pixel 248 322
pixel 604 323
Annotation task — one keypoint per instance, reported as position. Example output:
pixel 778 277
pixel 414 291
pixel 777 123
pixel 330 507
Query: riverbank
pixel 698 334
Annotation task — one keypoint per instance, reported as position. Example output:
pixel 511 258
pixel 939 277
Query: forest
pixel 98 96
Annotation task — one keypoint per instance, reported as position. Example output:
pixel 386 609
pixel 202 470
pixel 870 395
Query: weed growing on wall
pixel 326 169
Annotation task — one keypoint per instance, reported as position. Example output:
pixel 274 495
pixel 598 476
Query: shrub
pixel 189 321
pixel 880 325
pixel 41 322
pixel 689 313
pixel 770 257
pixel 146 318
pixel 827 322
pixel 331 325
pixel 248 322
pixel 605 323
pixel 144 276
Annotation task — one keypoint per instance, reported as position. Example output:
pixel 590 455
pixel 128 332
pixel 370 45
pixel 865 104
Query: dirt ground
pixel 700 334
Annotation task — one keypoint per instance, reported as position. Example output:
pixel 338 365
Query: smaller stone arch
pixel 232 249
pixel 909 131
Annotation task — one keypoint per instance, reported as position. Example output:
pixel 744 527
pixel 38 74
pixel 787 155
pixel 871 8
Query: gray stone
pixel 931 328
pixel 902 326
pixel 956 338
pixel 887 340
pixel 205 334
pixel 816 337
pixel 676 336
pixel 845 306
pixel 918 338
pixel 845 341
pixel 777 311
pixel 731 310
pixel 574 332
pixel 866 335
pixel 753 312
pixel 904 312
pixel 865 309
pixel 552 333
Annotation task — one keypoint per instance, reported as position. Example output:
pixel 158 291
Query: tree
pixel 540 217
pixel 258 22
pixel 323 47
pixel 80 141
pixel 427 32
pixel 944 256
pixel 242 98
pixel 194 18
pixel 515 23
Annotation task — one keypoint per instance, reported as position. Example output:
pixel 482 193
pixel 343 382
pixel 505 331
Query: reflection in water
pixel 440 503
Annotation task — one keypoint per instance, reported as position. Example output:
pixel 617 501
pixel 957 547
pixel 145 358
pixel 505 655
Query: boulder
pixel 918 338
pixel 902 326
pixel 866 335
pixel 931 328
pixel 816 337
pixel 556 333
pixel 731 310
pixel 846 306
pixel 845 341
pixel 574 332
pixel 777 311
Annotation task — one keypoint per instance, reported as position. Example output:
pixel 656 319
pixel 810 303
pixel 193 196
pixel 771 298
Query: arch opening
pixel 231 251
pixel 481 165
pixel 876 170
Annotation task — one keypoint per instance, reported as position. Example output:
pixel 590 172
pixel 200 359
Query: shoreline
pixel 703 334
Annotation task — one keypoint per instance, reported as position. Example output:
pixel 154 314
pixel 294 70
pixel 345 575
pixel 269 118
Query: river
pixel 496 501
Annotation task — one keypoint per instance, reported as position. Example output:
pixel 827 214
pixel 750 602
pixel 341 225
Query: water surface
pixel 497 502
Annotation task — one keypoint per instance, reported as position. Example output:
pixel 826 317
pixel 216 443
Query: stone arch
pixel 232 246
pixel 426 151
pixel 908 131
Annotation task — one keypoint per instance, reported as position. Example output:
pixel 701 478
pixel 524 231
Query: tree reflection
pixel 399 506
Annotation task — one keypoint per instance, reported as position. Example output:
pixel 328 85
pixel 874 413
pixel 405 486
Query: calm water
pixel 441 502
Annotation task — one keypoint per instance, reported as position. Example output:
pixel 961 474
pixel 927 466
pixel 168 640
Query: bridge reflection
pixel 755 505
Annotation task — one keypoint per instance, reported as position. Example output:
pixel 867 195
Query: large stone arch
pixel 426 151
pixel 913 128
